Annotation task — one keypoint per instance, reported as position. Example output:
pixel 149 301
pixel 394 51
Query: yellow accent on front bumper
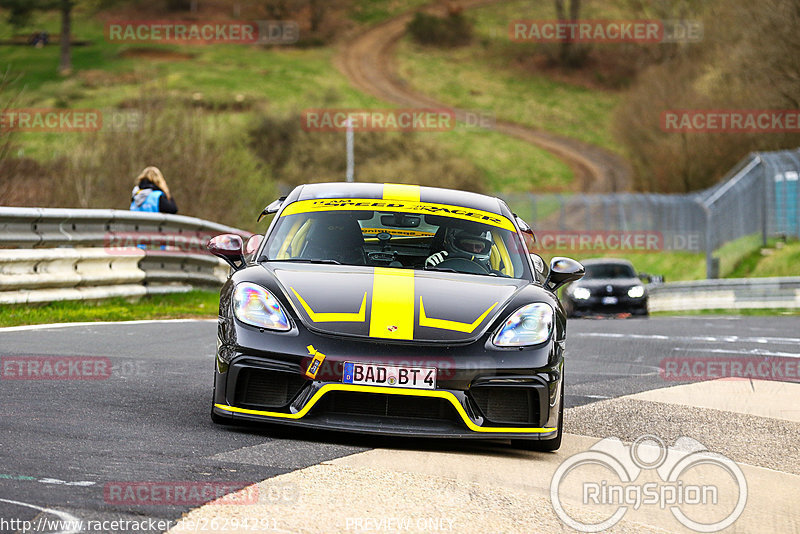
pixel 388 391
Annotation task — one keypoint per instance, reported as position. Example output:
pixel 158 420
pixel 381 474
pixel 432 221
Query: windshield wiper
pixel 307 260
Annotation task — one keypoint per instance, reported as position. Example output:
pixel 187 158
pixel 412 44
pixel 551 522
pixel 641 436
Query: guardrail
pixel 49 254
pixel 730 293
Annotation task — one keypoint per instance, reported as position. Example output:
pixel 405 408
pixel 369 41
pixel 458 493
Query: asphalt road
pixel 62 442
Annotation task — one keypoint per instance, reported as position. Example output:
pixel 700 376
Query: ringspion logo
pixel 703 490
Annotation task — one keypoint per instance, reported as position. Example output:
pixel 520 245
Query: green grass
pixel 510 165
pixel 742 258
pixel 784 261
pixel 195 304
pixel 274 80
pixel 734 256
pixel 370 12
pixel 480 77
pixel 673 266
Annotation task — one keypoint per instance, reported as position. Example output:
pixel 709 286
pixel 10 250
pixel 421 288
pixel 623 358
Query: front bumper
pixel 595 304
pixel 480 393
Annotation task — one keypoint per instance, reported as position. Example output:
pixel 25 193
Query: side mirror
pixel 229 248
pixel 644 277
pixel 252 244
pixel 563 271
pixel 538 263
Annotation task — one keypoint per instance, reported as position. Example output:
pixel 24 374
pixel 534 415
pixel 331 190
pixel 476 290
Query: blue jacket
pixel 145 199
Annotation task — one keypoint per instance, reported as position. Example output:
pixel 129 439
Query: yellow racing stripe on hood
pixel 392 315
pixel 401 192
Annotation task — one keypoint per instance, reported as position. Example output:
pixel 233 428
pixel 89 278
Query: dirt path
pixel 368 61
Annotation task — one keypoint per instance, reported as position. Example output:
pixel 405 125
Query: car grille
pixel 271 389
pixel 507 404
pixel 616 291
pixel 387 405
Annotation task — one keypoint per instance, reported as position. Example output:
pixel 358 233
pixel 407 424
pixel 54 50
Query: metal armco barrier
pixel 759 196
pixel 729 294
pixel 51 254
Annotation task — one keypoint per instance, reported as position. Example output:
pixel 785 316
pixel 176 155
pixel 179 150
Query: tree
pixel 19 14
pixel 567 54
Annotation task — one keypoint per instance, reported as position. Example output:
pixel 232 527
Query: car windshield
pixel 468 241
pixel 609 271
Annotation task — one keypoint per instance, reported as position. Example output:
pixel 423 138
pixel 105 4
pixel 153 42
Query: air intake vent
pixel 387 405
pixel 507 404
pixel 269 389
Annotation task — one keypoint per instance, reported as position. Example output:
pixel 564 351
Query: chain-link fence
pixel 758 196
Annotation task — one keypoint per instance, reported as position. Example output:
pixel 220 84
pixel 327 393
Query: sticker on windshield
pixel 346 204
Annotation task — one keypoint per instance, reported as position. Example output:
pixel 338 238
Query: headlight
pixel 529 325
pixel 636 292
pixel 581 293
pixel 254 305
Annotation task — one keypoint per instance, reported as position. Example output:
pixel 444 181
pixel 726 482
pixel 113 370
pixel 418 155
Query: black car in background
pixel 610 286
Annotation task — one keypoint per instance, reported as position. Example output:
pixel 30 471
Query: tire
pixel 547 445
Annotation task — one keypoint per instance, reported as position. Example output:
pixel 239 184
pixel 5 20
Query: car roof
pixel 432 195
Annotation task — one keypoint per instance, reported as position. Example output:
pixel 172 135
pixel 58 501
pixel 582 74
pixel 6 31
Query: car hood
pixel 394 304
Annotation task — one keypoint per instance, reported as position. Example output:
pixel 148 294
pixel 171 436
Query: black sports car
pixel 609 286
pixel 393 309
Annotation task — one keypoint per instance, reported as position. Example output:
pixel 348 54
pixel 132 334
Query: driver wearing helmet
pixel 462 244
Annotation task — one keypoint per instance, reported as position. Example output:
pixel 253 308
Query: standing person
pixel 151 193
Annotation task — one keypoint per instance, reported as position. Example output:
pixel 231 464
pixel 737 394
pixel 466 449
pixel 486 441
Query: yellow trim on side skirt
pixel 401 192
pixel 445 324
pixel 448 396
pixel 357 317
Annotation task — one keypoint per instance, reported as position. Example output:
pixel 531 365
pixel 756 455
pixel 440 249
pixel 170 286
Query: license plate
pixel 610 300
pixel 389 375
